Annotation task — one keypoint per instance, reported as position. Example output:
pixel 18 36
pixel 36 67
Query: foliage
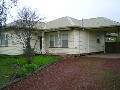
pixel 31 67
pixel 25 70
pixel 27 20
pixel 21 72
pixel 10 64
pixel 42 60
pixel 7 68
pixel 21 60
pixel 4 6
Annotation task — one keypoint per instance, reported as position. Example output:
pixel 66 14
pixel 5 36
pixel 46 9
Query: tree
pixel 27 20
pixel 4 6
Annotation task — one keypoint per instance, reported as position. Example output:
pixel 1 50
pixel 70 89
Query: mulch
pixel 79 73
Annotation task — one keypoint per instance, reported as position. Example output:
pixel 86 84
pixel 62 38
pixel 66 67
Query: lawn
pixel 10 65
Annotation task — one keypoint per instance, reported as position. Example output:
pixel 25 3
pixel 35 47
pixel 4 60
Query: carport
pixel 112 39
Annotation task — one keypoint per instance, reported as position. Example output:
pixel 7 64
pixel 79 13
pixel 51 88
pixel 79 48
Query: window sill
pixel 3 45
pixel 58 47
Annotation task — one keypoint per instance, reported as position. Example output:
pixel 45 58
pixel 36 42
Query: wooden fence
pixel 112 47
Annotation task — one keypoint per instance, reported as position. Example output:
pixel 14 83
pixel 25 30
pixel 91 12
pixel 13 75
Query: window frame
pixel 53 41
pixel 64 40
pixel 5 40
pixel 61 41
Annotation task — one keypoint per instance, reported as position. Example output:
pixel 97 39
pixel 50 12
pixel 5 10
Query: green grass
pixel 9 65
pixel 107 73
pixel 43 60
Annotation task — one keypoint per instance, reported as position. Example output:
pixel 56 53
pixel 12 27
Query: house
pixel 70 36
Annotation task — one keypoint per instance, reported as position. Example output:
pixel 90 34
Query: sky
pixel 78 9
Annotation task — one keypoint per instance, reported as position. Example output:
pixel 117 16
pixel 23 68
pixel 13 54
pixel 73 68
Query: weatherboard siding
pixel 80 41
pixel 84 41
pixel 68 50
pixel 14 48
pixel 93 45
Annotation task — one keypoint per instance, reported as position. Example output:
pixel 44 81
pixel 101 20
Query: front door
pixel 40 40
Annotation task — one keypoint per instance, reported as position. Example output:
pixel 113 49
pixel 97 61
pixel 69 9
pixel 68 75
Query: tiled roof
pixel 69 22
pixel 60 22
pixel 39 25
pixel 98 22
pixel 92 22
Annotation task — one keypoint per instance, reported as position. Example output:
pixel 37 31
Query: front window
pixel 51 40
pixel 3 40
pixel 59 40
pixel 64 40
pixel 56 40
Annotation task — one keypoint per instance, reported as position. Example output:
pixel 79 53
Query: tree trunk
pixel 28 52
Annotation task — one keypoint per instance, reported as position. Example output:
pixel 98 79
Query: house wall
pixel 81 42
pixel 74 46
pixel 35 42
pixel 14 47
pixel 69 50
pixel 88 43
pixel 93 45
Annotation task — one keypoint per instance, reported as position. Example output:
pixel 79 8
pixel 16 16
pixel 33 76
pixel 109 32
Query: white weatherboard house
pixel 67 35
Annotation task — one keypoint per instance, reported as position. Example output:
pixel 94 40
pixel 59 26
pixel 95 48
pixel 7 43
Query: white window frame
pixel 60 36
pixel 62 40
pixel 50 41
pixel 6 40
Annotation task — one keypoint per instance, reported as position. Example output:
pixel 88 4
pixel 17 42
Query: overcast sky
pixel 78 9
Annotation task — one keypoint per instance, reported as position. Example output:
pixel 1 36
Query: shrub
pixel 21 73
pixel 31 67
pixel 43 60
pixel 25 70
pixel 21 61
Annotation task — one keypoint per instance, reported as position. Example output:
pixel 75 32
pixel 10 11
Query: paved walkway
pixel 104 55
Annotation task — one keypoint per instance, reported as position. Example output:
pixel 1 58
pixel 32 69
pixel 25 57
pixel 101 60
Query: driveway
pixel 79 73
pixel 104 55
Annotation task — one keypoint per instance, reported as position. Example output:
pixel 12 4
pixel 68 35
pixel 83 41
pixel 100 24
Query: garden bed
pixel 9 65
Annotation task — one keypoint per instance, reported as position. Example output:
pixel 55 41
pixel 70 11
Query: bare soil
pixel 79 73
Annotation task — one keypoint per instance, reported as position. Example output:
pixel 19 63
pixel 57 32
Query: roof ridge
pixel 55 19
pixel 115 22
pixel 70 20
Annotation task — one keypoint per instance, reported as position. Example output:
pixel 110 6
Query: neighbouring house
pixel 69 36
